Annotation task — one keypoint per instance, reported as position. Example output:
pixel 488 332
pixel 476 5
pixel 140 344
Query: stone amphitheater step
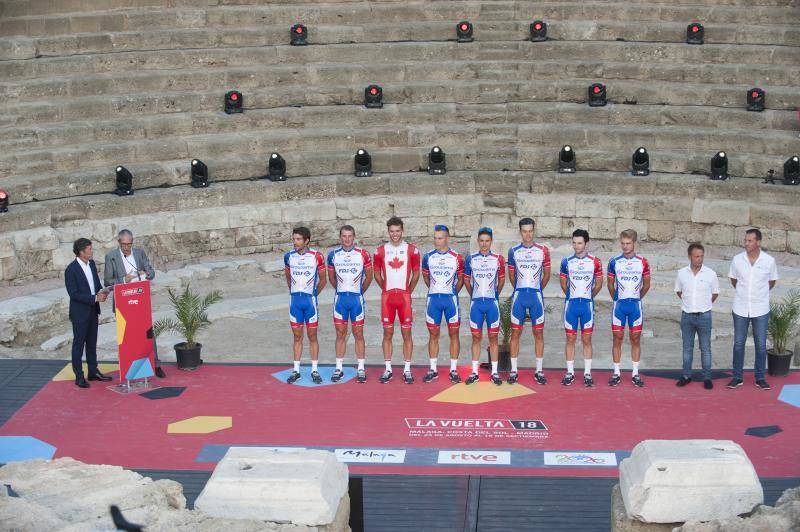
pixel 376 54
pixel 410 30
pixel 390 75
pixel 419 115
pixel 237 157
pixel 117 20
pixel 573 90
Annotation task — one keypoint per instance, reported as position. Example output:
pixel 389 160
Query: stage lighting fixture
pixel 719 167
pixel 597 95
pixel 755 99
pixel 199 174
pixel 363 163
pixel 233 102
pixel 791 172
pixel 640 162
pixel 464 31
pixel 373 97
pixel 566 160
pixel 276 168
pixel 3 201
pixel 538 31
pixel 437 164
pixel 124 182
pixel 298 35
pixel 694 33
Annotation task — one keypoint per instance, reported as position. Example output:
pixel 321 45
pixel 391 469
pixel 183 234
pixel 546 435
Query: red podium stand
pixel 134 333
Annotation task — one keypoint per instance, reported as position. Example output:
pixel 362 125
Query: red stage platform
pixel 435 428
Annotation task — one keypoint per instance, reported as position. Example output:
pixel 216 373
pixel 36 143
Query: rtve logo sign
pixel 474 457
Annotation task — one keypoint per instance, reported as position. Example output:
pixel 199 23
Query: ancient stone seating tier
pixel 86 85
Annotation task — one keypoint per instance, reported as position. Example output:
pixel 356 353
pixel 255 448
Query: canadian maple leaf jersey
pixel 442 270
pixel 629 274
pixel 529 264
pixel 304 270
pixel 485 271
pixel 580 273
pixel 396 264
pixel 349 266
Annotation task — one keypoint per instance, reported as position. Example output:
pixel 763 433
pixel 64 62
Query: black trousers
pixel 84 335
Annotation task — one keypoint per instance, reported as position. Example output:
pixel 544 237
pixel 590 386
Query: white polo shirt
pixel 752 284
pixel 696 289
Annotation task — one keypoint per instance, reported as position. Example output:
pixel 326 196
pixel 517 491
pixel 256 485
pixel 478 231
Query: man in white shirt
pixel 753 274
pixel 697 288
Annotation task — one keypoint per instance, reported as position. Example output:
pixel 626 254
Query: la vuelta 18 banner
pixel 134 330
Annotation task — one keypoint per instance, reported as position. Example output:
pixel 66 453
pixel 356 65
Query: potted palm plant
pixel 503 348
pixel 191 316
pixel 784 319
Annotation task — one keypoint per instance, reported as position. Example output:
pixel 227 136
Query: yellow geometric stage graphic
pixel 200 425
pixel 66 373
pixel 479 393
pixel 120 327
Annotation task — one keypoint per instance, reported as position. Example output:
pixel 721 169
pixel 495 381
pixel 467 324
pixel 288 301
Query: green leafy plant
pixel 191 314
pixel 784 319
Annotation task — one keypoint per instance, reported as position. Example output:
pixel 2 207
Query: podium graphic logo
pixel 132 291
pixel 474 457
pixel 485 424
pixel 582 459
pixel 371 456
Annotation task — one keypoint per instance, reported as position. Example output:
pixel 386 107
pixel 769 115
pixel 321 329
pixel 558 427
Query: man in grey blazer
pixel 126 264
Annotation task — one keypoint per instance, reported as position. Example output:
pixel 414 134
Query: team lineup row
pixel 396 266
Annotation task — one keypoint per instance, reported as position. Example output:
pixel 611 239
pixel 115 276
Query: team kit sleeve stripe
pixel 645 267
pixel 598 268
pixel 501 267
pixel 546 252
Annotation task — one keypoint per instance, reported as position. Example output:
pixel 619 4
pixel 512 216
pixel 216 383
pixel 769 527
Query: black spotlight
pixel 4 200
pixel 437 165
pixel 791 173
pixel 719 167
pixel 298 35
pixel 373 97
pixel 276 168
pixel 363 163
pixel 566 160
pixel 199 174
pixel 597 95
pixel 464 31
pixel 233 102
pixel 538 31
pixel 640 162
pixel 755 99
pixel 124 182
pixel 694 33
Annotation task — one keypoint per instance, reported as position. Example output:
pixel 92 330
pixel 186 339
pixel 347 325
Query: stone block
pixel 640 226
pixel 605 207
pixel 548 227
pixel 660 208
pixel 371 207
pixel 38 239
pixel 719 234
pixel 730 212
pixel 669 481
pixel 464 204
pixel 774 239
pixel 793 241
pixel 250 215
pixel 304 211
pixel 553 205
pixel 303 487
pixel 620 522
pixel 602 228
pixel 422 205
pixel 201 220
pixel 785 217
pixel 660 231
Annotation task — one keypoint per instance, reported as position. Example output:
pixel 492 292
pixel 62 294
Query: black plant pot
pixel 778 365
pixel 503 359
pixel 188 359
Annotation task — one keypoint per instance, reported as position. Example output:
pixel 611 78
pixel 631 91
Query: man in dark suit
pixel 85 295
pixel 126 264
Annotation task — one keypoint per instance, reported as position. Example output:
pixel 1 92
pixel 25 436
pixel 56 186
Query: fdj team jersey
pixel 629 274
pixel 349 266
pixel 529 264
pixel 304 270
pixel 580 274
pixel 485 271
pixel 443 270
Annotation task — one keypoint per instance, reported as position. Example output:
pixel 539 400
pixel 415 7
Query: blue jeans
pixel 740 327
pixel 700 324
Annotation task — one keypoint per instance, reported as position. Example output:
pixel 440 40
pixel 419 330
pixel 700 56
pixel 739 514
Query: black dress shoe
pixel 160 373
pixel 80 382
pixel 97 376
pixel 707 384
pixel 683 382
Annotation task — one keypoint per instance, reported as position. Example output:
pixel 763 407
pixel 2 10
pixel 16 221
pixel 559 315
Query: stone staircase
pixel 86 85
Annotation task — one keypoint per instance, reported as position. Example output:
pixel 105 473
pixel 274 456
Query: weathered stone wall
pixel 256 216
